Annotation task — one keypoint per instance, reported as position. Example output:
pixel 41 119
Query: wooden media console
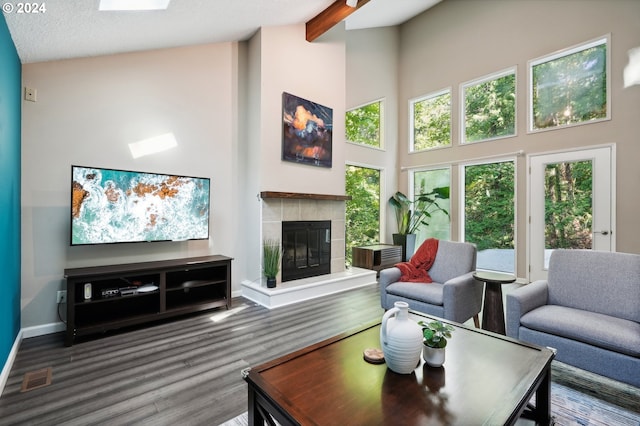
pixel 102 298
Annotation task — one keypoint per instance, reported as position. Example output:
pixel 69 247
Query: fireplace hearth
pixel 280 207
pixel 306 249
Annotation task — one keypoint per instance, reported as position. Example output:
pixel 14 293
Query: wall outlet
pixel 62 296
pixel 30 94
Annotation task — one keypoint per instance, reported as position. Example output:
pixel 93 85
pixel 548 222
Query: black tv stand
pixel 125 295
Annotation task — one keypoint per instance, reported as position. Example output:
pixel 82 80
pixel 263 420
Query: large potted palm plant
pixel 410 215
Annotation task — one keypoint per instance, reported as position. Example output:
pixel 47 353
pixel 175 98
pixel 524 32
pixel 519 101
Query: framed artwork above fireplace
pixel 307 131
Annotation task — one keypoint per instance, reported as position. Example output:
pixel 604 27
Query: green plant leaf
pixel 410 215
pixel 271 253
pixel 436 333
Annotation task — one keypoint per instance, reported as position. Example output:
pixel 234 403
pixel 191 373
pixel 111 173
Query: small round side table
pixel 493 309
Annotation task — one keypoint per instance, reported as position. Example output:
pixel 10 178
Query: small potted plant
pixel 271 253
pixel 435 334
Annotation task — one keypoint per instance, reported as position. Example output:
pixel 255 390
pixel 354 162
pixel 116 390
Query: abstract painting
pixel 307 130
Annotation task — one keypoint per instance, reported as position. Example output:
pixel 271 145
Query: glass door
pixel 571 204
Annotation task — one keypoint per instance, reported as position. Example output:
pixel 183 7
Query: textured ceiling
pixel 75 28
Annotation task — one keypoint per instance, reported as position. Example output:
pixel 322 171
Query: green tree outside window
pixel 431 123
pixel 490 109
pixel 570 89
pixel 568 205
pixel 363 124
pixel 363 210
pixel 489 205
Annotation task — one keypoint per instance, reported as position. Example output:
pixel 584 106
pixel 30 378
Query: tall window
pixel 489 107
pixel 489 213
pixel 570 87
pixel 364 124
pixel 424 181
pixel 363 210
pixel 430 121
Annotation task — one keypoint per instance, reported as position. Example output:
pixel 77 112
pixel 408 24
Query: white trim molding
pixel 10 360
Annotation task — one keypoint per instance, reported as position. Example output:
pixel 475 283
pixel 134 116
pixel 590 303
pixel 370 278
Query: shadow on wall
pixel 41 309
pixel 50 238
pixel 52 252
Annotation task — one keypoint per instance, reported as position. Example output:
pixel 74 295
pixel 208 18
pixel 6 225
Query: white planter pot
pixel 434 357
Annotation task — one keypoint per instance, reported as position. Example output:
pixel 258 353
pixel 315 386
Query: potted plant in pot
pixel 435 334
pixel 271 254
pixel 411 214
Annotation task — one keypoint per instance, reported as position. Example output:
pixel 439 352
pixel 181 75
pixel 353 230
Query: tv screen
pixel 120 206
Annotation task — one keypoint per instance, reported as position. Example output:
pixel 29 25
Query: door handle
pixel 602 232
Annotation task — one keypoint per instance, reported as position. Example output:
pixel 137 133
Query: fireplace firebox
pixel 306 249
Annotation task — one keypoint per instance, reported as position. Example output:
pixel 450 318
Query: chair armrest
pixel 522 300
pixel 389 276
pixel 462 297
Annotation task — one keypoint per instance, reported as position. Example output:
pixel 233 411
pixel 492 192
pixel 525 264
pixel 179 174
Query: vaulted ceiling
pixel 76 28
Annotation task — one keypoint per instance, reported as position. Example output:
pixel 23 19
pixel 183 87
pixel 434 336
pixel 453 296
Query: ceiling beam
pixel 329 17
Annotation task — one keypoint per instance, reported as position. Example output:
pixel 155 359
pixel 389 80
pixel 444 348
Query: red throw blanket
pixel 416 270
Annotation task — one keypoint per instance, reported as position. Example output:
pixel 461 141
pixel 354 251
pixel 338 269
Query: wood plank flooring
pixel 183 372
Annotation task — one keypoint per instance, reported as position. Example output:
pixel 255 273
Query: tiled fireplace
pixel 278 207
pixel 306 249
pixel 275 211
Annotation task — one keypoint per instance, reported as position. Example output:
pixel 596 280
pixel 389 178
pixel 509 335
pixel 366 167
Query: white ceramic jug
pixel 401 339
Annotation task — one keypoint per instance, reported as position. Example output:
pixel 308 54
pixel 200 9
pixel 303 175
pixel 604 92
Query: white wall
pixel 281 60
pixel 88 111
pixel 253 160
pixel 313 71
pixel 372 74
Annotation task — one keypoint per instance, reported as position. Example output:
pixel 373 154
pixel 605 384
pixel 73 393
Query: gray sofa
pixel 453 295
pixel 588 310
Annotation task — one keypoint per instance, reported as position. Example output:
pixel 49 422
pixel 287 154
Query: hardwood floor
pixel 183 372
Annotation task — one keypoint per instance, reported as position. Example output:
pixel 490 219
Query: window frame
pixel 381 128
pixel 431 95
pixel 603 40
pixel 463 104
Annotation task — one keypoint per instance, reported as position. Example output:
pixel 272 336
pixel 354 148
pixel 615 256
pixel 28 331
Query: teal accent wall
pixel 10 121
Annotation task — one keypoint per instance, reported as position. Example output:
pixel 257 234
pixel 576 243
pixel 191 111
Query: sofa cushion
pixel 595 329
pixel 596 281
pixel 429 293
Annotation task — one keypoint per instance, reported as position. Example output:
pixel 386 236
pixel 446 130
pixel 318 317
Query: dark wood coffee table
pixel 486 379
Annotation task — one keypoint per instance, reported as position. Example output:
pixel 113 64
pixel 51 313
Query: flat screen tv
pixel 121 206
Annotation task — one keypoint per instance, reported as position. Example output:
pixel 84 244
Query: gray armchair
pixel 453 295
pixel 588 309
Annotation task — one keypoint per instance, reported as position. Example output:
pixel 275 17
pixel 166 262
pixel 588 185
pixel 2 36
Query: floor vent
pixel 36 379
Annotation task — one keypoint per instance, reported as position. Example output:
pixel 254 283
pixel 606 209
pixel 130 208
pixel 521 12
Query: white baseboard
pixel 41 330
pixel 25 333
pixel 10 360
